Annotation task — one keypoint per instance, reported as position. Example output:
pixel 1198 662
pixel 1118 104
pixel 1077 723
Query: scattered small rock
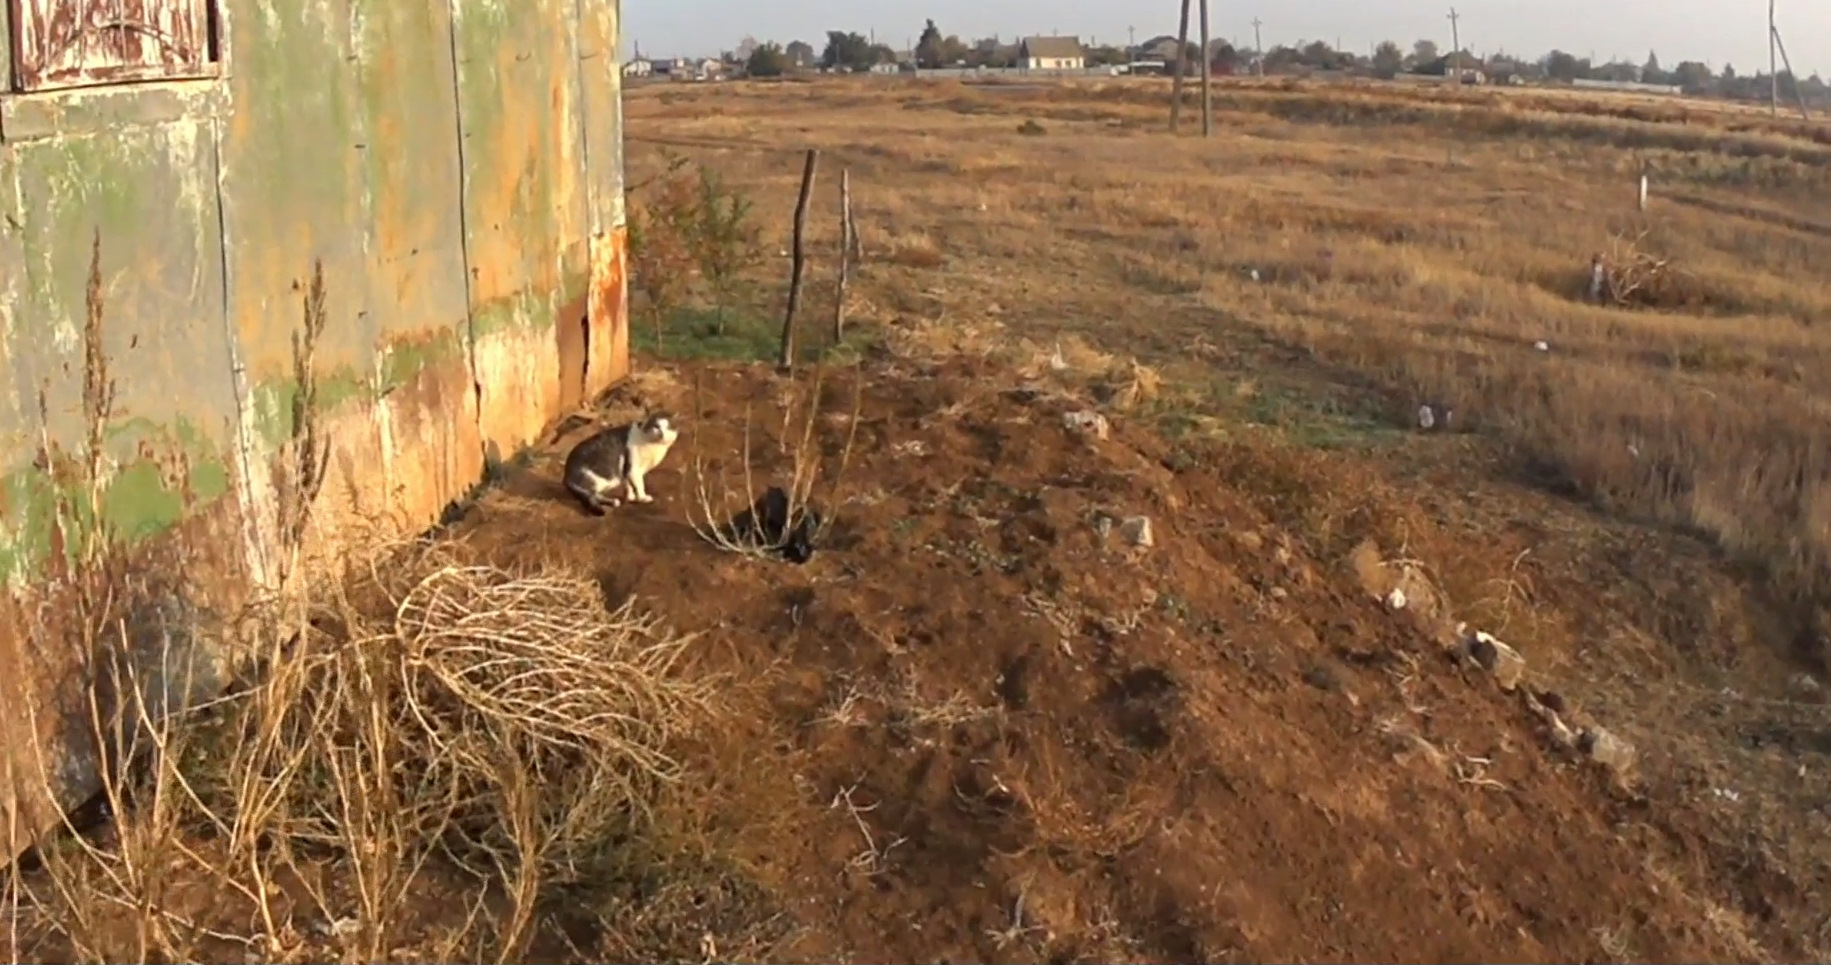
pixel 1606 749
pixel 1804 686
pixel 1501 661
pixel 1323 678
pixel 1561 734
pixel 1542 345
pixel 1089 422
pixel 1396 599
pixel 1137 531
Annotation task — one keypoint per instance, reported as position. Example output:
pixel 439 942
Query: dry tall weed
pixel 414 765
pixel 719 521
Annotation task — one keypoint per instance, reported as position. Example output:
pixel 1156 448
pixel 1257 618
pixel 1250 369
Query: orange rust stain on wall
pixel 506 256
pixel 609 309
pixel 569 174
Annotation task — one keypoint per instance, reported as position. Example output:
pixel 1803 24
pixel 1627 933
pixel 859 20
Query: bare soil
pixel 980 726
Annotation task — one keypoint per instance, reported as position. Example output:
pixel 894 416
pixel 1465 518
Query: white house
pixel 639 67
pixel 1051 53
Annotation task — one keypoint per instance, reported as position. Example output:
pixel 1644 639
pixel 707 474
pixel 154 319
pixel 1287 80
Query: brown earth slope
pixel 980 725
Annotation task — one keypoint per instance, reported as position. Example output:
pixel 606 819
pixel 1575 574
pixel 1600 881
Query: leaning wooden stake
pixel 786 361
pixel 1182 58
pixel 858 241
pixel 845 253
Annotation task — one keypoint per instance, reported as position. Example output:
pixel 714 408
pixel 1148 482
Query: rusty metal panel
pixel 426 416
pixel 295 161
pixel 78 43
pixel 609 308
pixel 17 427
pixel 150 194
pixel 295 183
pixel 523 190
pixel 600 79
pixel 599 35
pixel 438 159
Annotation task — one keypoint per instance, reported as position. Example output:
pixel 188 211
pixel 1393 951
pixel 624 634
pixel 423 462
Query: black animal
pixel 767 523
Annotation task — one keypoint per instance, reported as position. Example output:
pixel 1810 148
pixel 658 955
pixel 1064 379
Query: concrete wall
pixel 456 165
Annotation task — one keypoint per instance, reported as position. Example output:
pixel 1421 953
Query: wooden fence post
pixel 786 360
pixel 846 241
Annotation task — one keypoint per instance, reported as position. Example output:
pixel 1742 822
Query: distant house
pixel 639 67
pixel 1157 48
pixel 1051 53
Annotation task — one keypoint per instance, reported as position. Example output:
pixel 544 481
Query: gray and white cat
pixel 618 458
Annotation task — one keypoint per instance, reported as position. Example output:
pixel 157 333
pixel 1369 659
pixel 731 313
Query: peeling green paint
pixel 139 500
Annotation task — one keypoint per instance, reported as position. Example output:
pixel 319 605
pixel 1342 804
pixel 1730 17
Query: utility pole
pixel 1455 46
pixel 1773 67
pixel 1258 49
pixel 1131 41
pixel 1182 61
pixel 1799 93
pixel 1207 79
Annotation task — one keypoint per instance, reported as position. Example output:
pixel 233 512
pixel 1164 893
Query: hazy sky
pixel 1714 31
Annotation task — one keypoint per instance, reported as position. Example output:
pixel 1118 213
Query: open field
pixel 981 724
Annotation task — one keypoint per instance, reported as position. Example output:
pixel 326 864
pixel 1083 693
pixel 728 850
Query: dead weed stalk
pixel 1627 275
pixel 751 530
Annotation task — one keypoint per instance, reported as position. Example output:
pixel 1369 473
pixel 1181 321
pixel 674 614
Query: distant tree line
pixel 851 51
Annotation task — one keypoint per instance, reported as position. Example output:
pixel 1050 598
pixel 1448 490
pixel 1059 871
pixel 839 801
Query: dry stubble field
pixel 1645 508
pixel 978 726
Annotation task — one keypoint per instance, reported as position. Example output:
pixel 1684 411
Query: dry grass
pixel 460 724
pixel 1418 243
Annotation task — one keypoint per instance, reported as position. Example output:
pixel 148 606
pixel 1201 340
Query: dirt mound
pixel 988 721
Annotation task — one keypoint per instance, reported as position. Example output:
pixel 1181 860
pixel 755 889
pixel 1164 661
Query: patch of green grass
pixel 697 333
pixel 1320 422
pixel 1209 408
pixel 745 335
